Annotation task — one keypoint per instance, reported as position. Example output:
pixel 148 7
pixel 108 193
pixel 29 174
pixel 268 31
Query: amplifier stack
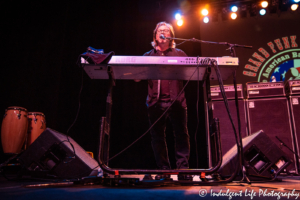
pixel 292 87
pixel 258 90
pixel 272 107
pixel 268 110
pixel 219 111
pixel 293 93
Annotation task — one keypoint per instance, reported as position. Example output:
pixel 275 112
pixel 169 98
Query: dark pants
pixel 178 117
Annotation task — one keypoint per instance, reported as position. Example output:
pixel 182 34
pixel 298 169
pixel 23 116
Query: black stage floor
pixel 28 188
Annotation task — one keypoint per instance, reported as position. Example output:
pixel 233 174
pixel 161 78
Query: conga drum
pixel 36 125
pixel 14 129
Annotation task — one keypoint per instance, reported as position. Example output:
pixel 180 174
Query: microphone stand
pixel 231 46
pixel 233 54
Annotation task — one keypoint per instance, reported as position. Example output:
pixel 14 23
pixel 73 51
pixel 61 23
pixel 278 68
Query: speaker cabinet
pixel 263 159
pixel 294 102
pixel 226 131
pixel 272 115
pixel 60 155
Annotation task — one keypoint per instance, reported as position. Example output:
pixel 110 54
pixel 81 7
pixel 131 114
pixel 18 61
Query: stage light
pixel 262 12
pixel 204 12
pixel 214 17
pixel 225 13
pixel 180 22
pixel 264 4
pixel 177 16
pixel 294 7
pixel 284 5
pixel 206 20
pixel 234 8
pixel 233 15
pixel 285 2
pixel 243 11
pixel 273 6
pixel 274 2
pixel 296 1
pixel 253 10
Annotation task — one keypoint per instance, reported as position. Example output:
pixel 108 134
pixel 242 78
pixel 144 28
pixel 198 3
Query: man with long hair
pixel 161 94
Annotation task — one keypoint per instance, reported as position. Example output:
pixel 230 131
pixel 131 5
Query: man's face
pixel 163 30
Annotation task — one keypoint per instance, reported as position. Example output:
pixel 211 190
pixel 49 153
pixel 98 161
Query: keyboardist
pixel 161 94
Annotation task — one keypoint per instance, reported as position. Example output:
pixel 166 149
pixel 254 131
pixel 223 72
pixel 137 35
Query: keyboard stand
pixel 204 72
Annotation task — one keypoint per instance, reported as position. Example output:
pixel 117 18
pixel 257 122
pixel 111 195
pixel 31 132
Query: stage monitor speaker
pixel 272 115
pixel 295 117
pixel 262 158
pixel 226 131
pixel 52 151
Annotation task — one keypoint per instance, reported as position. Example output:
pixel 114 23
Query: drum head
pixel 16 108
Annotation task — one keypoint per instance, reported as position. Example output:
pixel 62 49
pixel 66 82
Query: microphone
pixel 162 37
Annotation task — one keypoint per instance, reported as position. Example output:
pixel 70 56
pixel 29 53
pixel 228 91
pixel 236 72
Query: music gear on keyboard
pixel 168 60
pixel 159 67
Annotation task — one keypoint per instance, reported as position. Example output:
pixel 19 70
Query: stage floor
pixel 27 188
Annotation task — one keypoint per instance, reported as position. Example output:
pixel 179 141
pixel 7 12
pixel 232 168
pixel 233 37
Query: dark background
pixel 41 42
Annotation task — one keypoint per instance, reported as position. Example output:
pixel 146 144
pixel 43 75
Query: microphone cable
pixel 237 138
pixel 76 117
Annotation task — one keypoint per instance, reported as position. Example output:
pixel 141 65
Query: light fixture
pixel 177 16
pixel 264 4
pixel 204 12
pixel 234 8
pixel 294 7
pixel 180 22
pixel 262 11
pixel 206 19
pixel 233 15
